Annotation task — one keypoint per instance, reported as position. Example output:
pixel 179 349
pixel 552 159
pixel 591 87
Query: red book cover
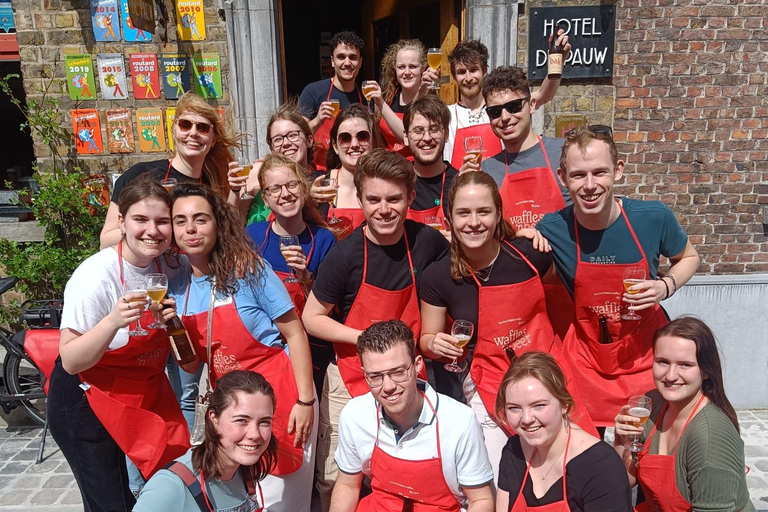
pixel 144 75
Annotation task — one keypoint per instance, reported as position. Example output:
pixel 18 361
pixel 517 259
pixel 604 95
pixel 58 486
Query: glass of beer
pixel 157 286
pixel 336 106
pixel 434 59
pixel 640 408
pixel 462 330
pixel 244 173
pixel 473 145
pixel 632 276
pixel 137 285
pixel 434 221
pixel 369 86
pixel 285 245
pixel 169 183
pixel 334 186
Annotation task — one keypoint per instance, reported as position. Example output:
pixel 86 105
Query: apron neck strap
pixel 407 253
pixel 543 151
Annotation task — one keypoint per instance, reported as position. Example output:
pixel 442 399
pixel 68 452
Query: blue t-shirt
pixel 317 92
pixel 270 250
pixel 260 300
pixel 654 224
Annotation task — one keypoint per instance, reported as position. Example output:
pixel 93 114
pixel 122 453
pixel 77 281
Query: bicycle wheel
pixel 23 377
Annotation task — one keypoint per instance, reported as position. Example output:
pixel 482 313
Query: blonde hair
pixel 274 161
pixel 389 83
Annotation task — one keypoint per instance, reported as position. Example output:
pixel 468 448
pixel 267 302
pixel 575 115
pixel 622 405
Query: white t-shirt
pixel 464 458
pixel 94 289
pixel 462 117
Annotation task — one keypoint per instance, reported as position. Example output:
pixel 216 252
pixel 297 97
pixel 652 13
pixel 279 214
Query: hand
pixel 300 421
pixel 651 293
pixel 125 312
pixel 324 112
pixel 236 183
pixel 295 258
pixel 540 243
pixel 624 424
pixel 469 164
pixel 562 41
pixel 322 194
pixel 168 311
pixel 444 345
pixel 376 96
pixel 428 77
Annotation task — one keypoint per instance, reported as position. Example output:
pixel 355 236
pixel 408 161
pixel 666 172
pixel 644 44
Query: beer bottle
pixel 182 348
pixel 605 334
pixel 555 64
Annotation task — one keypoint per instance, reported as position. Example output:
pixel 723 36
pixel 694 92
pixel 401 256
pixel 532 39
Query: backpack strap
pixel 191 481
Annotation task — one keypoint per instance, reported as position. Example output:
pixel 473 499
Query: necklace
pixel 553 462
pixel 490 268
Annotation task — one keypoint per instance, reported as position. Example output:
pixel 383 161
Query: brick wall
pixel 47 30
pixel 688 105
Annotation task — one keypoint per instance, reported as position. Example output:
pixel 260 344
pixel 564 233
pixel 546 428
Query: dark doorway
pixel 16 148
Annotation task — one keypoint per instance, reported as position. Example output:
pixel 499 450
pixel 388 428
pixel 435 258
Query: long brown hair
pixel 233 256
pixel 206 456
pixel 354 110
pixel 216 164
pixel 708 358
pixel 309 212
pixel 288 111
pixel 460 266
pixel 389 84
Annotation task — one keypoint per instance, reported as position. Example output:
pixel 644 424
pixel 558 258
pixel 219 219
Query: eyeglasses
pixel 274 190
pixel 363 138
pixel 185 125
pixel 279 140
pixel 513 107
pixel 397 375
pixel 418 133
pixel 594 129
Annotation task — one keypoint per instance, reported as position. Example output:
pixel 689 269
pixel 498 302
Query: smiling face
pixel 296 151
pixel 346 62
pixel 429 149
pixel 676 371
pixel 474 217
pixel 398 399
pixel 408 68
pixel 470 79
pixel 348 155
pixel 146 228
pixel 194 227
pixel 192 144
pixel 590 177
pixel 245 428
pixel 533 412
pixel 511 128
pixel 287 203
pixel 385 204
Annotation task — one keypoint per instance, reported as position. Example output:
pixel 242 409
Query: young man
pixel 368 277
pixel 392 435
pixel 594 241
pixel 425 125
pixel 315 100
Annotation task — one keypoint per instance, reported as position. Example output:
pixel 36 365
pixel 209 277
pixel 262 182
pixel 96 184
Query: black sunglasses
pixel 363 136
pixel 513 107
pixel 185 125
pixel 595 129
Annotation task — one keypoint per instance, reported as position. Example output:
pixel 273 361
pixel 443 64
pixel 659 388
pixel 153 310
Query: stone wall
pixel 48 30
pixel 687 102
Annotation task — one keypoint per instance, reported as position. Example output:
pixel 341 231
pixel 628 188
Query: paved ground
pixel 26 486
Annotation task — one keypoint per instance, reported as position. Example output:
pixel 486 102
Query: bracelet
pixel 666 286
pixel 235 190
pixel 306 404
pixel 674 283
pixel 309 281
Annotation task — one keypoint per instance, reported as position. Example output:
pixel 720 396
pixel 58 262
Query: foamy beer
pixel 336 106
pixel 369 86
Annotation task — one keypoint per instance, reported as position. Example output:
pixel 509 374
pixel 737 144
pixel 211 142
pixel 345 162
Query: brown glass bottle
pixel 605 334
pixel 555 64
pixel 181 346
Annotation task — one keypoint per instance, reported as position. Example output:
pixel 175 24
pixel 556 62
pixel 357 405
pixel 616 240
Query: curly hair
pixel 353 110
pixel 234 255
pixel 389 83
pixel 288 111
pixel 382 336
pixel 206 456
pixel 460 266
pixel 309 212
pixel 348 38
pixel 469 51
pixel 216 164
pixel 506 78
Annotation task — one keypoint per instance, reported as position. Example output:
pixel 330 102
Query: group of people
pixel 409 327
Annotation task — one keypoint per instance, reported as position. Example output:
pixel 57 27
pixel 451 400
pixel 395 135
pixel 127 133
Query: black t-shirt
pixel 428 190
pixel 596 480
pixel 395 105
pixel 317 92
pixel 341 272
pixel 460 297
pixel 158 168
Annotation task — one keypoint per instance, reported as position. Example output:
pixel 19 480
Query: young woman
pixel 109 396
pixel 551 463
pixel 354 134
pixel 238 451
pixel 494 280
pixel 201 143
pixel 285 189
pixel 693 457
pixel 253 326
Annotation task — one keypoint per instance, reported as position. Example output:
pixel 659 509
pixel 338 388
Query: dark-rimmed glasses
pixel 274 190
pixel 345 139
pixel 185 125
pixel 279 140
pixel 397 375
pixel 513 107
pixel 594 129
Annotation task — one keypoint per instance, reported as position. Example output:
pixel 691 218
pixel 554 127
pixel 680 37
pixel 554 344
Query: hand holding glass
pixel 244 173
pixel 473 145
pixel 285 243
pixel 462 330
pixel 157 286
pixel 137 286
pixel 333 184
pixel 640 408
pixel 632 276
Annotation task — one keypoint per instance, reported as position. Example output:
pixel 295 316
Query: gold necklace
pixel 553 462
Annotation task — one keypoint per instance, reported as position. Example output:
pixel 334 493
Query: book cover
pixel 105 19
pixel 149 123
pixel 190 20
pixel 175 71
pixel 81 80
pixel 87 128
pixel 207 72
pixel 112 76
pixel 120 131
pixel 144 75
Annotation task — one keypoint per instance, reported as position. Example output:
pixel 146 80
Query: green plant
pixel 71 226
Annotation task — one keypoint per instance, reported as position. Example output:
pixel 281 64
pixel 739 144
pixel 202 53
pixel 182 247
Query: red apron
pixel 520 504
pixel 372 305
pixel 296 290
pixel 233 347
pixel 393 144
pixel 492 144
pixel 322 135
pixel 133 399
pixel 435 211
pixel 526 197
pixel 608 374
pixel 656 474
pixel 512 318
pixel 395 480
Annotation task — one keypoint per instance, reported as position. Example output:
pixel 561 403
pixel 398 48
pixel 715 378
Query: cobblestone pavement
pixel 50 486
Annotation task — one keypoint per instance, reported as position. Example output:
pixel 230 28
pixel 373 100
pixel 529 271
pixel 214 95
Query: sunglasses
pixel 513 107
pixel 185 125
pixel 595 129
pixel 363 137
